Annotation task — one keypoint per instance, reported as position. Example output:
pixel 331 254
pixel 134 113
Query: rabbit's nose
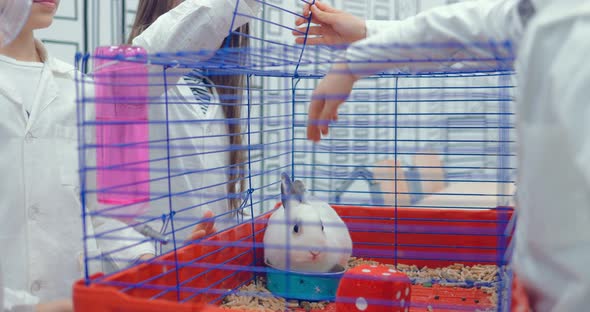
pixel 314 253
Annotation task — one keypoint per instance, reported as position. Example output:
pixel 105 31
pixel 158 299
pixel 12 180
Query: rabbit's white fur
pixel 306 234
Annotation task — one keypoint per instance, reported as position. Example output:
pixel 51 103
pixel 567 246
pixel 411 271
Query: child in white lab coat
pixel 206 123
pixel 551 40
pixel 10 28
pixel 40 224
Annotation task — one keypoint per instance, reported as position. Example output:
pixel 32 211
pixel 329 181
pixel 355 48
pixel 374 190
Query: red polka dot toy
pixel 373 288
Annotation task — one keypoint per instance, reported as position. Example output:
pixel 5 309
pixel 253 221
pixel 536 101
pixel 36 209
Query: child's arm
pixel 461 23
pixel 450 26
pixel 194 25
pixel 16 299
pixel 22 301
pixel 330 26
pixel 128 246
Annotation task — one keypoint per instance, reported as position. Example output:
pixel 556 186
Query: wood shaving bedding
pixel 258 298
pixel 265 301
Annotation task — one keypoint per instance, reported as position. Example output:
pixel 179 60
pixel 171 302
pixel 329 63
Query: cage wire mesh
pixel 420 167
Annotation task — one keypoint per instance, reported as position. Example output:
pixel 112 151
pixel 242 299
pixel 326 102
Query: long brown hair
pixel 229 87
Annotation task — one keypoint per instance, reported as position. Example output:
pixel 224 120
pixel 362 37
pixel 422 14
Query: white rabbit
pixel 306 234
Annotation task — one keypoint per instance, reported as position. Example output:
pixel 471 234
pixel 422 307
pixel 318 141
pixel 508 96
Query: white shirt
pixel 40 224
pixel 40 206
pixel 24 78
pixel 553 233
pixel 200 180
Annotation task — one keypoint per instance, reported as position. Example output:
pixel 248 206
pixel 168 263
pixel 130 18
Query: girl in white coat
pixel 11 22
pixel 551 40
pixel 40 224
pixel 205 133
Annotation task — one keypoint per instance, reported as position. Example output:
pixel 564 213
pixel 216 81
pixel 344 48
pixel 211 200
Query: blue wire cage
pixel 420 166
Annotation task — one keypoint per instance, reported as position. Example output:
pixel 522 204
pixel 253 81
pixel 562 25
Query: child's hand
pixel 330 93
pixel 56 306
pixel 203 229
pixel 146 257
pixel 335 26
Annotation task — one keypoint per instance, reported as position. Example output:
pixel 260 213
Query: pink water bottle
pixel 122 132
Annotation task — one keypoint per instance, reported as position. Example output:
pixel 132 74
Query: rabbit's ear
pixel 298 190
pixel 285 190
pixel 291 192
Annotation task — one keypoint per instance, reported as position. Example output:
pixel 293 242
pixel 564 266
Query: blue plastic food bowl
pixel 303 286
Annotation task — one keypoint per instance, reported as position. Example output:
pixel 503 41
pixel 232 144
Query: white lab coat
pixel 40 223
pixel 198 161
pixel 200 178
pixel 553 234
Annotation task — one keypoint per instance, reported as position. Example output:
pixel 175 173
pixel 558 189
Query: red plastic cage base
pixel 481 230
pixel 422 298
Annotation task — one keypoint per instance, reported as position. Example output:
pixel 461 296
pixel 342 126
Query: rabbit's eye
pixel 322 226
pixel 296 228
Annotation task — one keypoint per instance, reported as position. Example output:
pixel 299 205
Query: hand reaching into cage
pixel 65 305
pixel 334 27
pixel 205 228
pixel 330 93
pixel 201 230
